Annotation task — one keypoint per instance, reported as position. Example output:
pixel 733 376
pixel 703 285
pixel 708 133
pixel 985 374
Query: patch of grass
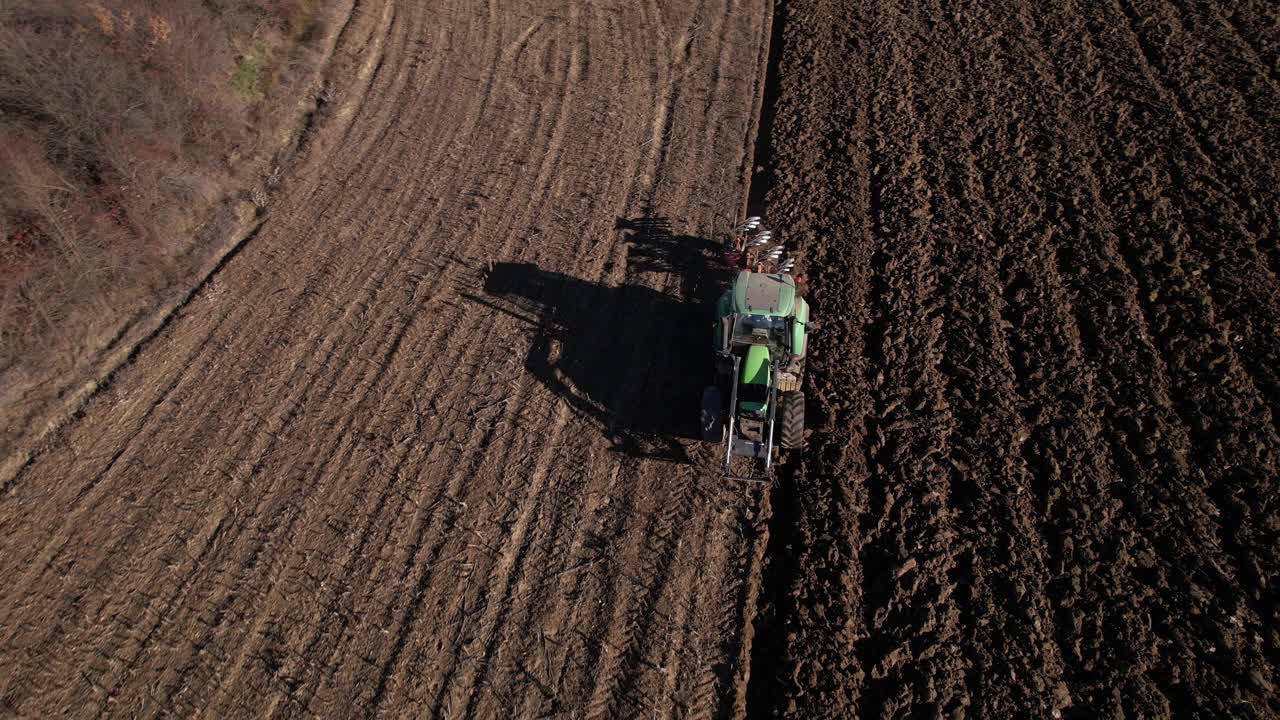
pixel 248 80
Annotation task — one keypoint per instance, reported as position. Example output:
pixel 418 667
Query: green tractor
pixel 761 327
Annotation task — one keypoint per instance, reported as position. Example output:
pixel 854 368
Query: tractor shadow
pixel 632 357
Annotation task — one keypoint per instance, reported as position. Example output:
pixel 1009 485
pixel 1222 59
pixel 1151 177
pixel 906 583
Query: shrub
pixel 117 120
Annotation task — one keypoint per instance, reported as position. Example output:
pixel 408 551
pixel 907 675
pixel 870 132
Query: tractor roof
pixel 764 294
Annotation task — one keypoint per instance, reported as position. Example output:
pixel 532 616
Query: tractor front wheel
pixel 793 420
pixel 712 420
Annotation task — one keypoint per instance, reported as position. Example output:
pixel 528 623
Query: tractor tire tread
pixel 793 420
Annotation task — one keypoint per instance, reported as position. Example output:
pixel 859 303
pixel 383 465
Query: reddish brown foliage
pixel 118 123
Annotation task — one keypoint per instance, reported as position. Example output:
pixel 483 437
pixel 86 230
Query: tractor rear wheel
pixel 712 420
pixel 793 420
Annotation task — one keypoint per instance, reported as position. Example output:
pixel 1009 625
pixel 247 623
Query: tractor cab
pixel 763 309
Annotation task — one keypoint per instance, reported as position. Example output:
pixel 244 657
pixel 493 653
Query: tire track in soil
pixel 324 457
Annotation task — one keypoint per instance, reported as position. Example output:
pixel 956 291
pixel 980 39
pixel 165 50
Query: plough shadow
pixel 632 357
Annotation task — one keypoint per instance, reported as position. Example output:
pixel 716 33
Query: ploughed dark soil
pixel 1042 240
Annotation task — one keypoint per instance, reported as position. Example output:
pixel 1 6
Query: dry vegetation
pixel 122 123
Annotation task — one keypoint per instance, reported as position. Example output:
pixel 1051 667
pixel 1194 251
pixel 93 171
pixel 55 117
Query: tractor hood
pixel 754 390
pixel 764 294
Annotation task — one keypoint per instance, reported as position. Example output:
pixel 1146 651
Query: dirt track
pixel 350 479
pixel 1043 243
pixel 420 446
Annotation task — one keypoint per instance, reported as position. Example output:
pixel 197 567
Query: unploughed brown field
pixel 422 445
